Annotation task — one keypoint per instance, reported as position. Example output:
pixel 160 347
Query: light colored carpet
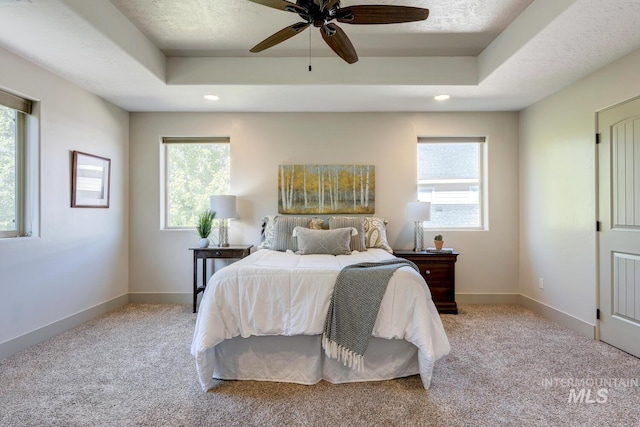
pixel 132 367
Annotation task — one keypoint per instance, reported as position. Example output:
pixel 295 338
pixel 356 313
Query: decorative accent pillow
pixel 358 241
pixel 332 242
pixel 375 232
pixel 268 230
pixel 283 232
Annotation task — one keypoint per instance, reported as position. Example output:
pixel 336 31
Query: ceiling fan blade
pixel 282 5
pixel 381 14
pixel 339 42
pixel 280 36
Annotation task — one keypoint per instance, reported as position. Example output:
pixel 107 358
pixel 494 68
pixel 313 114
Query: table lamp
pixel 418 212
pixel 225 208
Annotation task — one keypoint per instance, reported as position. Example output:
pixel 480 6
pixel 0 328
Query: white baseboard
pixel 44 333
pixel 25 341
pixel 161 297
pixel 565 319
pixel 490 299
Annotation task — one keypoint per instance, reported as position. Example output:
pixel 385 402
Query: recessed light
pixel 212 97
pixel 441 97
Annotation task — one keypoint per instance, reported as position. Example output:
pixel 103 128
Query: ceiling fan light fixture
pixel 320 13
pixel 441 97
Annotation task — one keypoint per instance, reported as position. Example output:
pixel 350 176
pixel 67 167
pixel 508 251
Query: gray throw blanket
pixel 354 309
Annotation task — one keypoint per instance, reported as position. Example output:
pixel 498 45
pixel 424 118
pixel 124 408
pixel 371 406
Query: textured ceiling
pixel 231 28
pixel 164 55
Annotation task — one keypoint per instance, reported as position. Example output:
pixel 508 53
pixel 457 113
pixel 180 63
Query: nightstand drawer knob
pixel 427 272
pixel 218 253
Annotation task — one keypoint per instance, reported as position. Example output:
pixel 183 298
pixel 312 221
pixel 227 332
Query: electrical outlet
pixel 540 282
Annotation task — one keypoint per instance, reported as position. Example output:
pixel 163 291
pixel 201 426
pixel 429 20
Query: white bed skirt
pixel 281 301
pixel 301 360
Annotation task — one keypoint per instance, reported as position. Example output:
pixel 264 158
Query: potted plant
pixel 438 242
pixel 203 227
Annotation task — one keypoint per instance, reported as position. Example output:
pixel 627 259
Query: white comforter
pixel 278 293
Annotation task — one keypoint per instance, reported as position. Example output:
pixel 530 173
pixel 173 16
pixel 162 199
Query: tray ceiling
pixel 165 55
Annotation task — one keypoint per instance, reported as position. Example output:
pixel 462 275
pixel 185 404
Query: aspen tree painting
pixel 326 189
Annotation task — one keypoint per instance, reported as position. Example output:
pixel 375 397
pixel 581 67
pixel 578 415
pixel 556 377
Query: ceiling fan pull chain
pixel 309 51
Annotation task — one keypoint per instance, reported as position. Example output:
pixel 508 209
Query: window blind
pixel 449 139
pixel 194 139
pixel 16 102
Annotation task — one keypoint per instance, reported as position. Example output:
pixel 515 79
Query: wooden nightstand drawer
pixel 226 253
pixel 434 272
pixel 438 270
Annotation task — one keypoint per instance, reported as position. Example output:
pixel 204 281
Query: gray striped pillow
pixel 357 241
pixel 283 232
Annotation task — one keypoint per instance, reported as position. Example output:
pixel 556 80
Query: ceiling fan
pixel 320 13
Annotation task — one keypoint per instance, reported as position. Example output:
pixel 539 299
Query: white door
pixel 619 236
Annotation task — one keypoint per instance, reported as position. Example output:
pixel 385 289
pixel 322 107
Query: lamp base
pixel 223 234
pixel 418 237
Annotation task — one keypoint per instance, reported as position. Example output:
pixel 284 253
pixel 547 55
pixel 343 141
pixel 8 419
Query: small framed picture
pixel 90 183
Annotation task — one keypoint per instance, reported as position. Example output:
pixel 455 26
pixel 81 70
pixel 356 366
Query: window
pixel 450 177
pixel 17 155
pixel 194 169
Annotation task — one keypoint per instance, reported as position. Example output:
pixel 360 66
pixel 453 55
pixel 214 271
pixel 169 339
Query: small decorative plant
pixel 438 242
pixel 204 225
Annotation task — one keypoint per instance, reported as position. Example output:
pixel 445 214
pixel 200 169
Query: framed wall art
pixel 90 181
pixel 326 189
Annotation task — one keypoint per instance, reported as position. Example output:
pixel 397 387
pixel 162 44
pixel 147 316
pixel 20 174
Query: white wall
pixel 160 261
pixel 81 258
pixel 87 257
pixel 558 188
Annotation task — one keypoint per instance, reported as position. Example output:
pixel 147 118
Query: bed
pixel 262 317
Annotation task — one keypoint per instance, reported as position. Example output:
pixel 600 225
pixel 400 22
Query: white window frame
pixel 27 166
pixel 481 186
pixel 164 193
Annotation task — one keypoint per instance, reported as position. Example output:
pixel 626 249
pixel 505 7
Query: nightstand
pixel 229 252
pixel 439 271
